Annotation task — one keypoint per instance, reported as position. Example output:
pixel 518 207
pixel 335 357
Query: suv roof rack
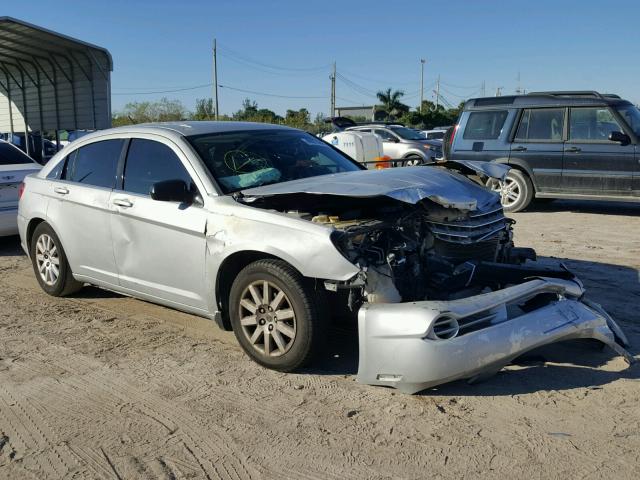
pixel 576 93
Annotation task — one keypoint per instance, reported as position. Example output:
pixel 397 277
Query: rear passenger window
pixel 541 124
pixel 592 124
pixel 149 162
pixel 95 164
pixel 485 125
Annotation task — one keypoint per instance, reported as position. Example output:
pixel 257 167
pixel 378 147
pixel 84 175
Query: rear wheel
pixel 515 192
pixel 275 315
pixel 50 263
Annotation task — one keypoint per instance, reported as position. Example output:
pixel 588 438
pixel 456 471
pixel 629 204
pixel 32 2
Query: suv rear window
pixel 541 124
pixel 485 125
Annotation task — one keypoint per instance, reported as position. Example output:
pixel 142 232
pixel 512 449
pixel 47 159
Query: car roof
pixel 546 99
pixel 189 128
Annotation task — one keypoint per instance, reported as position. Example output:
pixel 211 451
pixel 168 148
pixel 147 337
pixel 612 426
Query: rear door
pixel 538 144
pixel 593 165
pixel 79 208
pixel 483 135
pixel 159 246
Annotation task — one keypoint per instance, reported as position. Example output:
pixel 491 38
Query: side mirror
pixel 621 138
pixel 171 191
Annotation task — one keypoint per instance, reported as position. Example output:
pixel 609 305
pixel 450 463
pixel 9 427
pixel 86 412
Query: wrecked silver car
pixel 268 230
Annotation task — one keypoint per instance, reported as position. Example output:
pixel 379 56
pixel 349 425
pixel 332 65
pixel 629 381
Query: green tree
pixel 391 103
pixel 163 110
pixel 204 109
pixel 298 118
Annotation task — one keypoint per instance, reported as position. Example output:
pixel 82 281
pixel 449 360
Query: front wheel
pixel 275 315
pixel 515 192
pixel 412 161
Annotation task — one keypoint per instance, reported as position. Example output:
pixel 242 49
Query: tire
pixel 45 250
pixel 516 192
pixel 265 334
pixel 412 161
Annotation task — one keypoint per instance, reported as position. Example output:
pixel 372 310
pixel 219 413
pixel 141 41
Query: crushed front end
pixel 442 293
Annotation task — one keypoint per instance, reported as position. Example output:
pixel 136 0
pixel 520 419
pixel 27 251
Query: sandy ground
pixel 104 386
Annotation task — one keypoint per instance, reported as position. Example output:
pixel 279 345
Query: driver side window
pixel 386 136
pixel 149 162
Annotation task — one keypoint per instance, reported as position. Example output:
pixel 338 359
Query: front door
pixel 593 165
pixel 79 209
pixel 538 143
pixel 159 246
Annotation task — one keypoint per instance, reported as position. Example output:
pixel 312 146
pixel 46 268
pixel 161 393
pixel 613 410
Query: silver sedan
pixel 267 230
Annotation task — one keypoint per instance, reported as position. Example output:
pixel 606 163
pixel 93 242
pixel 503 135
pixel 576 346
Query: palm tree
pixel 391 101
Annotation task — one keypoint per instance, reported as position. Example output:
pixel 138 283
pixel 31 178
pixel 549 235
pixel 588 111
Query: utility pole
pixel 438 93
pixel 484 90
pixel 215 78
pixel 498 91
pixel 422 62
pixel 518 89
pixel 332 113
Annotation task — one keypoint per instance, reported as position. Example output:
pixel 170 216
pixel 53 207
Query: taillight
pixel 20 190
pixel 383 162
pixel 453 135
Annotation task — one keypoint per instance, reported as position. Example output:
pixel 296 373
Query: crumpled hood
pixel 407 184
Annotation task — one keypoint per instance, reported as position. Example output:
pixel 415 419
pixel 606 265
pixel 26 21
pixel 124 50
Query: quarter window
pixel 94 164
pixel 485 125
pixel 149 162
pixel 541 124
pixel 592 124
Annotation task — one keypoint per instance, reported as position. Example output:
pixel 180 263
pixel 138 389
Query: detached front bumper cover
pixel 418 345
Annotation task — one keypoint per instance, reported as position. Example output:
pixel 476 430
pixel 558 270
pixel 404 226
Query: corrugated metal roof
pixel 50 81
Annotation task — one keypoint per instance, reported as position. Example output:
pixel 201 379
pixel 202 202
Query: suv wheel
pixel 515 192
pixel 50 263
pixel 412 161
pixel 275 315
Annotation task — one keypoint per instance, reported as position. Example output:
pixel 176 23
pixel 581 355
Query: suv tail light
pixel 453 135
pixel 20 190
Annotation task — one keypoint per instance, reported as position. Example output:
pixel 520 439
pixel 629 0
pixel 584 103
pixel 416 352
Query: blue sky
pixel 286 47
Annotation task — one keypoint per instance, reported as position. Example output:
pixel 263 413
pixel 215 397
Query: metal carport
pixel 51 82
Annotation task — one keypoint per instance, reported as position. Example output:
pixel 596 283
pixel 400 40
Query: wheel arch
pixel 228 271
pixel 524 167
pixel 31 227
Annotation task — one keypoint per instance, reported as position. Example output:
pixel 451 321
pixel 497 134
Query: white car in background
pixel 14 166
pixel 435 134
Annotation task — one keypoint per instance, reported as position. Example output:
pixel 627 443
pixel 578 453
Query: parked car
pixel 40 149
pixel 581 145
pixel 14 166
pixel 266 229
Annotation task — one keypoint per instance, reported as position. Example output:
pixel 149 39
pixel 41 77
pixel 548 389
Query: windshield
pixel 407 133
pixel 246 159
pixel 631 114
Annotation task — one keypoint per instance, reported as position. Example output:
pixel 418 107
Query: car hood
pixel 407 184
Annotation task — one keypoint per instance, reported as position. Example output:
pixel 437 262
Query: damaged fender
pixel 418 345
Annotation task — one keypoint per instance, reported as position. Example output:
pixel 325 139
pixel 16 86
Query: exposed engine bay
pixel 425 251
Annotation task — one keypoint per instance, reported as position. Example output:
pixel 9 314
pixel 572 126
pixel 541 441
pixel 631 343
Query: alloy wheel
pixel 47 259
pixel 267 318
pixel 509 191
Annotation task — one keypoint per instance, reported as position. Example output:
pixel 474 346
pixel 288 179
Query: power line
pixel 166 91
pixel 369 79
pixel 266 65
pixel 266 94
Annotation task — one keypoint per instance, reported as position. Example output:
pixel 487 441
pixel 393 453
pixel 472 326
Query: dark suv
pixel 559 144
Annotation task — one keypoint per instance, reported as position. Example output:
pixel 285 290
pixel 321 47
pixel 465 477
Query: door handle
pixel 573 150
pixel 123 202
pixel 520 149
pixel 61 190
